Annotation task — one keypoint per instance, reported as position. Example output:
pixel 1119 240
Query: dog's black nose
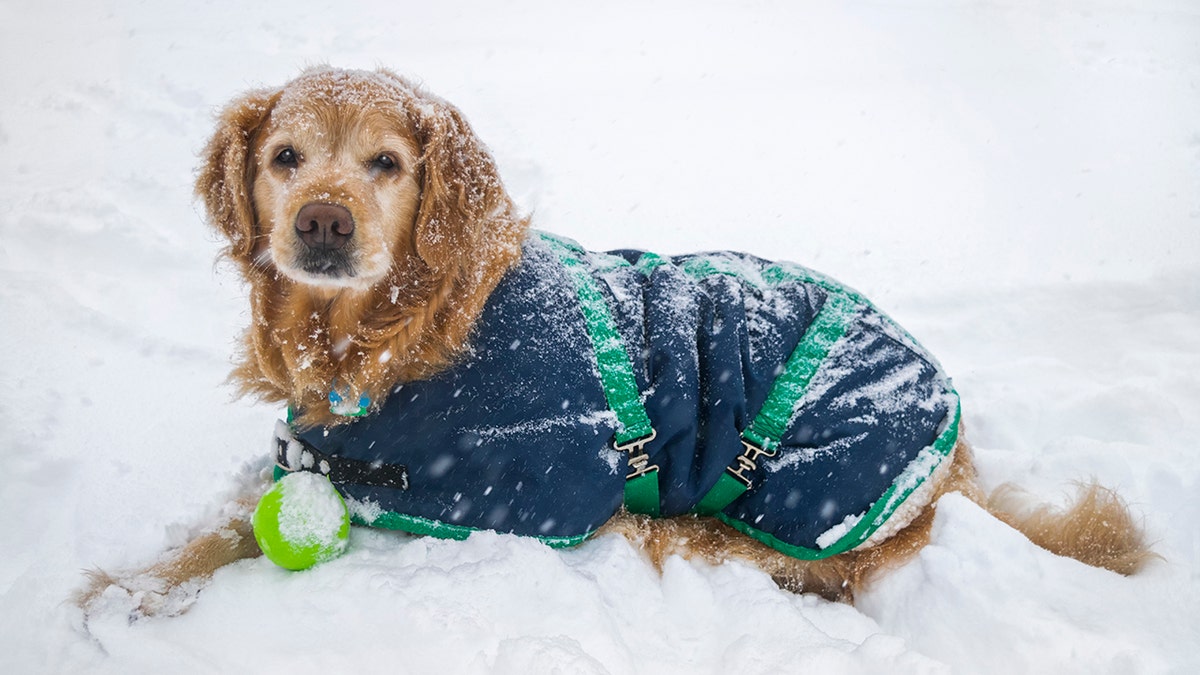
pixel 324 226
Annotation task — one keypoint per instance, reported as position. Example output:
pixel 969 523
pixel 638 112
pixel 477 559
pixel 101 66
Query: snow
pixel 832 535
pixel 1013 181
pixel 310 511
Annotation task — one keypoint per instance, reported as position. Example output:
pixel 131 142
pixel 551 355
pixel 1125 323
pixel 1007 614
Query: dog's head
pixel 339 176
pixel 371 224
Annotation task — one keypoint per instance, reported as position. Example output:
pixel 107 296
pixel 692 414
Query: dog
pixel 381 253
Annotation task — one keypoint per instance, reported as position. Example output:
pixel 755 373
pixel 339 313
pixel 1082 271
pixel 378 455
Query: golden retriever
pixel 371 226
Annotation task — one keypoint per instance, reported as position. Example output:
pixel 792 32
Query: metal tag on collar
pixel 639 461
pixel 748 460
pixel 339 406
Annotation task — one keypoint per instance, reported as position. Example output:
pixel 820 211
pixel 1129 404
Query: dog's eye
pixel 384 162
pixel 286 157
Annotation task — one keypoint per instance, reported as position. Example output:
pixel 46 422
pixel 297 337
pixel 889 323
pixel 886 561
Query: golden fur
pixel 433 236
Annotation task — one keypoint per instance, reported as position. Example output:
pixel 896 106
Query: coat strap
pixel 634 430
pixel 294 454
pixel 762 437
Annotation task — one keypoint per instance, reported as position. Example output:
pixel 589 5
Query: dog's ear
pixel 461 192
pixel 227 174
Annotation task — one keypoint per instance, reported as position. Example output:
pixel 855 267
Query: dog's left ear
pixel 462 196
pixel 226 177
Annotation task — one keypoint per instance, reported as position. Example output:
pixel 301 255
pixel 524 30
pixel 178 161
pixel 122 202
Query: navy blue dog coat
pixel 761 393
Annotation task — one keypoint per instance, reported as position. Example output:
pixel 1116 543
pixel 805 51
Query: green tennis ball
pixel 301 521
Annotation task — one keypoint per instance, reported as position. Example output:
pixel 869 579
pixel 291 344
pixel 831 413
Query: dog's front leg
pixel 169 586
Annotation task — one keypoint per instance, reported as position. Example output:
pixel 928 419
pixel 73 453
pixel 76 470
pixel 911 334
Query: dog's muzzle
pixel 326 230
pixel 324 227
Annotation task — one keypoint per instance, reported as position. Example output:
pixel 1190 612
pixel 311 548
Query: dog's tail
pixel 1096 528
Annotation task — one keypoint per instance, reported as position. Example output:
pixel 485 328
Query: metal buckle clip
pixel 747 460
pixel 291 462
pixel 639 461
pixel 281 454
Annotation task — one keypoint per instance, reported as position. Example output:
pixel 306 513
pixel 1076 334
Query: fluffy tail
pixel 1097 528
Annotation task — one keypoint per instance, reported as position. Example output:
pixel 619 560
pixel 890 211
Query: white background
pixel 1014 181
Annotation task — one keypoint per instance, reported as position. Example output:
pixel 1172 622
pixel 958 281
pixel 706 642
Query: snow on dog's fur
pixel 371 226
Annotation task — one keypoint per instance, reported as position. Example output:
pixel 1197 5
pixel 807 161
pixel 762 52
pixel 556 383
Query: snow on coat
pixel 517 437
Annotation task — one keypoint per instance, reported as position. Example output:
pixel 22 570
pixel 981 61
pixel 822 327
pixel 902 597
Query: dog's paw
pixel 136 597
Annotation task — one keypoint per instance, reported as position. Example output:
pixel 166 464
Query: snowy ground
pixel 1014 180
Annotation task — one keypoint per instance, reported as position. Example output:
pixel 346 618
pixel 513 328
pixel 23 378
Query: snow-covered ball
pixel 301 521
